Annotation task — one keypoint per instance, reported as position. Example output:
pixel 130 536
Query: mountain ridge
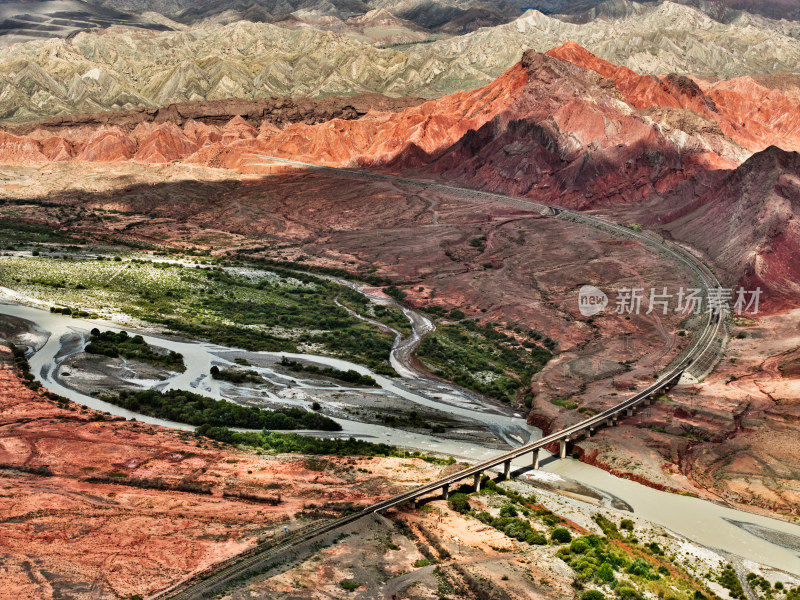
pixel 123 69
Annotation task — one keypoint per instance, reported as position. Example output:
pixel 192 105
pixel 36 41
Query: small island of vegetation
pixel 197 410
pixel 108 343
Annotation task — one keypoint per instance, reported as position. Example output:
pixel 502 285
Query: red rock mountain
pixel 545 126
pixel 563 127
pixel 750 225
pixel 746 111
pixel 582 115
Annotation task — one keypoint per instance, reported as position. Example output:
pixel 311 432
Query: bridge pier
pixel 562 448
pixel 629 412
pixel 506 469
pixel 535 459
pixel 610 422
pixel 477 481
pixel 446 491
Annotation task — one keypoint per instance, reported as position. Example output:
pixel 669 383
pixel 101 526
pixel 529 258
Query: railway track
pixel 698 358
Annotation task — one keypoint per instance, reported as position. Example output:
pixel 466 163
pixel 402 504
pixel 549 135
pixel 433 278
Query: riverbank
pixel 713 526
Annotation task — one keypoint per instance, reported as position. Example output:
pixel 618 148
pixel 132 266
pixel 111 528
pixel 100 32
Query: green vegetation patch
pixel 194 409
pixel 388 315
pixel 26 232
pixel 728 579
pixel 349 376
pixel 236 375
pixel 349 585
pixel 278 311
pixel 514 527
pixel 284 443
pixel 482 358
pixel 108 343
pixel 459 502
pixel 628 570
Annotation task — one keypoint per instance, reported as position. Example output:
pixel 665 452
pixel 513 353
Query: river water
pixel 706 523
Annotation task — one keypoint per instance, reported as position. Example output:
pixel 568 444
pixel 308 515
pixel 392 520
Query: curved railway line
pixel 697 359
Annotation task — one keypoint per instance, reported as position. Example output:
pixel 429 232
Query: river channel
pixel 764 540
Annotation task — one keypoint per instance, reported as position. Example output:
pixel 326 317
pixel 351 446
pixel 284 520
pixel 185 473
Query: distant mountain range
pixel 124 68
pixel 25 20
pixel 414 20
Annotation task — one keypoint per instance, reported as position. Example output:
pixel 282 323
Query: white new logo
pixel 591 300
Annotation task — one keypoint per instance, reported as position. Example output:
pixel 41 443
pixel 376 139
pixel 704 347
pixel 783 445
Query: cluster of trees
pixel 108 343
pixel 594 559
pixel 361 343
pixel 297 444
pixel 387 315
pixel 349 376
pixel 395 292
pixel 194 409
pixel 21 362
pixel 236 375
pixel 513 526
pixel 12 230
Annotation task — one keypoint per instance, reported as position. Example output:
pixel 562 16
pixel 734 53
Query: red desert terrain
pixel 69 530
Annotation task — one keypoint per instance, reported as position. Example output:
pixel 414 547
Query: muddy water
pixel 711 525
pixel 704 522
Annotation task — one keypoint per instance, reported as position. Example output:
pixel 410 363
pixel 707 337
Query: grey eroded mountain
pixel 25 20
pixel 123 68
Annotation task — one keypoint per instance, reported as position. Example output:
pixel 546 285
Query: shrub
pixel 536 539
pixel 579 546
pixel 627 593
pixel 608 526
pixel 626 524
pixel 561 535
pixel 349 584
pixel 508 511
pixel 605 573
pixel 459 502
pixel 593 595
pixel 422 562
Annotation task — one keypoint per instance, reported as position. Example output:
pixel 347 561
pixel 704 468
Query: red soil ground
pixel 64 536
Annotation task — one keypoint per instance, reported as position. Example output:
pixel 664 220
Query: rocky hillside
pixel 430 14
pixel 720 10
pixel 730 104
pixel 763 194
pixel 545 127
pixel 123 68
